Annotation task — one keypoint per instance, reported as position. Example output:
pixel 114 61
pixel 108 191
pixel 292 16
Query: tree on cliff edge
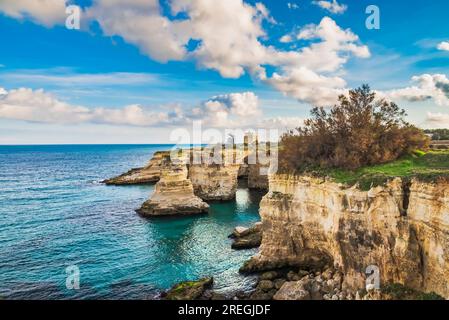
pixel 358 131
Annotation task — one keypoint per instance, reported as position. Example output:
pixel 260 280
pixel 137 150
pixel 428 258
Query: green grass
pixel 185 285
pixel 399 292
pixel 420 165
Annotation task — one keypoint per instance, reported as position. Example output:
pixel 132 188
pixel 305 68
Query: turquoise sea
pixel 55 213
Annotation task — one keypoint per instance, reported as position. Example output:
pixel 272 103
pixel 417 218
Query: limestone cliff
pixel 214 175
pixel 214 182
pixel 402 228
pixel 173 195
pixel 258 176
pixel 148 174
pixel 259 165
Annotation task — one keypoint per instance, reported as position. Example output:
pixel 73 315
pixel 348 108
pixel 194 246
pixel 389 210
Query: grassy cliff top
pixel 423 166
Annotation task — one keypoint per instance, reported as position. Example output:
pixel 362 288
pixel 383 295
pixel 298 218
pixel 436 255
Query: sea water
pixel 55 213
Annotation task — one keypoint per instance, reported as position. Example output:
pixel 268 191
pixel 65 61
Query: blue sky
pixel 60 85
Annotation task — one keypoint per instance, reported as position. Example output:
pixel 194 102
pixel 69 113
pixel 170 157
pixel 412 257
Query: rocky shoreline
pixel 308 271
pixel 325 283
pixel 318 237
pixel 400 230
pixel 299 285
pixel 183 187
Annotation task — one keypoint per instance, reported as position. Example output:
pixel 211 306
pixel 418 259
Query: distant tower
pixel 231 139
pixel 249 138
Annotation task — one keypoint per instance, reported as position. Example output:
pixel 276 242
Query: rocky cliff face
pixel 402 228
pixel 214 182
pixel 258 176
pixel 173 195
pixel 149 174
pixel 211 180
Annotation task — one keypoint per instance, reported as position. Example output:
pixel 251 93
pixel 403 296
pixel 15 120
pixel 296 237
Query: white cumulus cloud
pixel 443 46
pixel 45 12
pixel 39 106
pixel 333 50
pixel 428 86
pixel 234 110
pixel 140 23
pixel 230 110
pixel 331 6
pixel 307 74
pixel 436 120
pixel 227 36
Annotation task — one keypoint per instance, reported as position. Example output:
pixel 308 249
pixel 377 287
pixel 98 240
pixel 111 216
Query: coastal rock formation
pixel 173 195
pixel 260 160
pixel 214 182
pixel 189 290
pixel 149 174
pixel 243 171
pixel 327 284
pixel 213 171
pixel 285 284
pixel 247 238
pixel 401 228
pixel 258 176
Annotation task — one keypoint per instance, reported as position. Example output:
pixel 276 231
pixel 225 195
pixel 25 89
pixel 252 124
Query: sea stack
pixel 173 195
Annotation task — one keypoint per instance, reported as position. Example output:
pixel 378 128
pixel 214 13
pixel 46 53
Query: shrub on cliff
pixel 360 130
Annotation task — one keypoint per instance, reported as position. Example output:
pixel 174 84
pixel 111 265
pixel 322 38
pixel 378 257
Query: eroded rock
pixel 310 221
pixel 173 195
pixel 149 174
pixel 258 176
pixel 190 290
pixel 247 238
pixel 293 290
pixel 214 182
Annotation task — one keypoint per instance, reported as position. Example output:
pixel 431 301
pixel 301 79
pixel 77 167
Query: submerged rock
pixel 173 195
pixel 190 290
